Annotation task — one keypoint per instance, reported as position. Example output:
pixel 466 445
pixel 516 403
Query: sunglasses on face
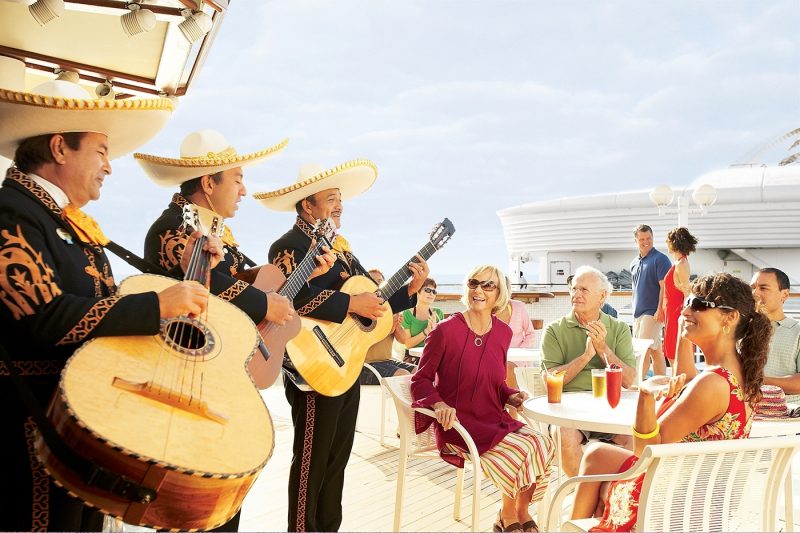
pixel 487 286
pixel 699 304
pixel 429 290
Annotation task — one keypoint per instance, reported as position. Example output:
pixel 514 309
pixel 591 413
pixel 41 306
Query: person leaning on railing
pixel 720 316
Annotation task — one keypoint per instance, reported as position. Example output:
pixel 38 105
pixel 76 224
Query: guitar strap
pixel 90 473
pixel 134 260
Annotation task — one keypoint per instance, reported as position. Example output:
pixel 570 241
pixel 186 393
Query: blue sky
pixel 468 107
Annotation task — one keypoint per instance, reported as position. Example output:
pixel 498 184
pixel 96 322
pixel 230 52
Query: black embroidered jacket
pixel 55 293
pixel 164 245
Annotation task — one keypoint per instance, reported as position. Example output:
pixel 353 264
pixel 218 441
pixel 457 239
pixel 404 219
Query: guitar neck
pixel 401 276
pixel 300 275
pixel 199 263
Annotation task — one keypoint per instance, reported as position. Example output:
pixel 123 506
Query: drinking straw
pixel 606 358
pixel 545 368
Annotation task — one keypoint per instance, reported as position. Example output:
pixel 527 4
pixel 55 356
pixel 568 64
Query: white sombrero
pixel 63 107
pixel 203 152
pixel 351 178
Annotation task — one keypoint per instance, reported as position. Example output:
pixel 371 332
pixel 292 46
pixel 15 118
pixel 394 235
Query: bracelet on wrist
pixel 645 436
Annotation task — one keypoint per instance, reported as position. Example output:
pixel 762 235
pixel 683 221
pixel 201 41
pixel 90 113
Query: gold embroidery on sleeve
pixel 90 320
pixel 26 281
pixel 316 302
pixel 233 291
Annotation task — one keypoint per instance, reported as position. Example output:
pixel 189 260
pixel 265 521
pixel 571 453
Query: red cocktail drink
pixel 613 385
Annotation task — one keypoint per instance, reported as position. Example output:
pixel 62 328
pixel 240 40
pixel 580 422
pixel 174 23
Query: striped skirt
pixel 523 458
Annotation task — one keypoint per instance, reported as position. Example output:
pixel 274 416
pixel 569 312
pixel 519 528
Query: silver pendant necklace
pixel 478 338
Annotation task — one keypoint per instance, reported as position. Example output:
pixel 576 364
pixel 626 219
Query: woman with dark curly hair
pixel 680 244
pixel 720 316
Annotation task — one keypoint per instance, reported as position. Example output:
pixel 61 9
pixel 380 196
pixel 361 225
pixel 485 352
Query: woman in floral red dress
pixel 714 404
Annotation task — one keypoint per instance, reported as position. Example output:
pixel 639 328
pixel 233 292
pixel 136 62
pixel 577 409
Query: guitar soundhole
pixel 187 336
pixel 367 324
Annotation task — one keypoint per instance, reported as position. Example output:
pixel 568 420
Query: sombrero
pixel 351 178
pixel 203 152
pixel 62 107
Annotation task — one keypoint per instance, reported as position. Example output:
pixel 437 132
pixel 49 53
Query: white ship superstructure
pixel 754 223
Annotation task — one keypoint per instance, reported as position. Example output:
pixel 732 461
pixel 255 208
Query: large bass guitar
pixel 270 278
pixel 174 413
pixel 328 355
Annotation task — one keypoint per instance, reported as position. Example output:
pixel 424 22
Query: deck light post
pixel 703 196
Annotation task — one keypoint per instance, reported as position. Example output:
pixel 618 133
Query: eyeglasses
pixel 429 290
pixel 699 304
pixel 583 290
pixel 487 286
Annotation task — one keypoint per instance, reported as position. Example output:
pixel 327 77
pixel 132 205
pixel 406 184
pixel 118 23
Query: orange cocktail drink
pixel 555 384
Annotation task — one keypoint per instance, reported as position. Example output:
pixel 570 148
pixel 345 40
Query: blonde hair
pixel 502 288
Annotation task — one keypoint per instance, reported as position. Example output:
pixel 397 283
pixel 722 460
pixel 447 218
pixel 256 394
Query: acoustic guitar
pixel 270 278
pixel 175 412
pixel 329 356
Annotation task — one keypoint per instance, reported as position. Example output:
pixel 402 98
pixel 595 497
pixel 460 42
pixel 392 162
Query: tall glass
pixel 613 386
pixel 598 382
pixel 555 384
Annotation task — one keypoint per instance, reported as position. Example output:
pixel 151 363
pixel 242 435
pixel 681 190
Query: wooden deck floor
pixel 370 481
pixel 371 478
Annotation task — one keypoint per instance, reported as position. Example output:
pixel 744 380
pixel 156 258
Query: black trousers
pixel 324 429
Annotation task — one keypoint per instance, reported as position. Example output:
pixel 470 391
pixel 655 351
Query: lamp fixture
pixel 138 19
pixel 195 26
pixel 43 11
pixel 105 90
pixel 67 75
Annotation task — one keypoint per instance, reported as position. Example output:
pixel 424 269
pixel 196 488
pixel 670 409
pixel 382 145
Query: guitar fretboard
pixel 300 275
pixel 402 276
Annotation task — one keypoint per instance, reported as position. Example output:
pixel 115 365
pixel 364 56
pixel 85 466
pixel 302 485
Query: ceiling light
pixel 43 11
pixel 105 90
pixel 196 25
pixel 67 75
pixel 137 20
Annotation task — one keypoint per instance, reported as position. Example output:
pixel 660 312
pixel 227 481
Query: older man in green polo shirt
pixel 577 343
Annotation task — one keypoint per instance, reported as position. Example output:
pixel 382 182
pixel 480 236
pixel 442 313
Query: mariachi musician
pixel 56 285
pixel 324 426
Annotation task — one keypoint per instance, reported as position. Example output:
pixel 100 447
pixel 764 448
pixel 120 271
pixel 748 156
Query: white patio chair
pixel 727 485
pixel 384 398
pixel 529 378
pixel 424 445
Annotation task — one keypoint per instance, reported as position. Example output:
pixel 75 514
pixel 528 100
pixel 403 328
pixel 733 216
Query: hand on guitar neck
pixel 212 244
pixel 419 273
pixel 326 260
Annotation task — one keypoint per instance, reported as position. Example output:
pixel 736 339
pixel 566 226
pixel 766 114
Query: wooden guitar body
pixel 330 356
pixel 186 422
pixel 275 337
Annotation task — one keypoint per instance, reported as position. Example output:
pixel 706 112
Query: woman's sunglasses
pixel 429 290
pixel 699 304
pixel 487 286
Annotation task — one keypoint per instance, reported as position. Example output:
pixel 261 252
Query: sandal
pixel 500 526
pixel 530 525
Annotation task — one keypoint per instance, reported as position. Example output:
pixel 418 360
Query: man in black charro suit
pixel 324 427
pixel 56 285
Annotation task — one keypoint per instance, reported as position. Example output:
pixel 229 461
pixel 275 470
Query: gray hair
pixel 604 283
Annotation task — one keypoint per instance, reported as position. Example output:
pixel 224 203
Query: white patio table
pixel 580 410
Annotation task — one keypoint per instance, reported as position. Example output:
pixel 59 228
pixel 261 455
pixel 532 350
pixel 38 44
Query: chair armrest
pixel 461 430
pixel 374 371
pixel 568 487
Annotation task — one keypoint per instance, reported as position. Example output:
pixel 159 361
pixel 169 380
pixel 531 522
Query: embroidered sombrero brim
pixel 171 172
pixel 351 178
pixel 128 123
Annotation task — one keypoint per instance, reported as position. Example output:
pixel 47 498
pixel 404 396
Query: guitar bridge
pixel 166 396
pixel 328 346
